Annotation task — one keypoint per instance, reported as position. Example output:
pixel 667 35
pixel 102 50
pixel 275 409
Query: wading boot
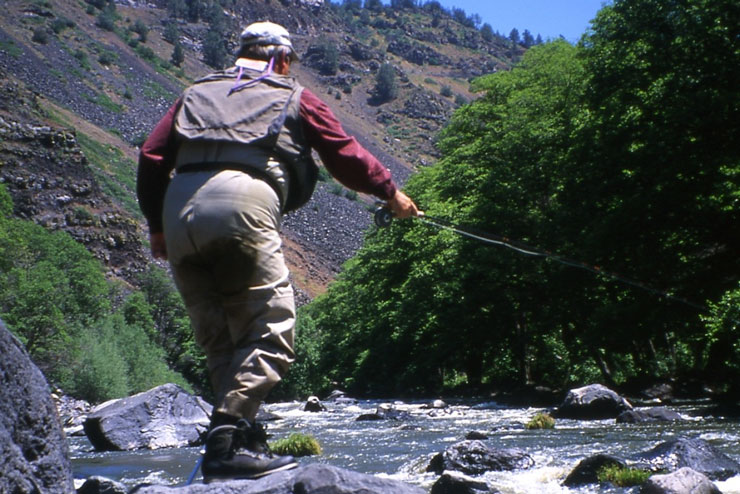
pixel 240 452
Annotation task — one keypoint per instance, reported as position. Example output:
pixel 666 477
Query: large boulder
pixel 34 451
pixel 101 485
pixel 313 404
pixel 164 417
pixel 592 402
pixel 682 481
pixel 475 458
pixel 310 479
pixel 696 454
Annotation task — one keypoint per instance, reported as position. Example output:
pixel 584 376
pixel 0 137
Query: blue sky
pixel 548 18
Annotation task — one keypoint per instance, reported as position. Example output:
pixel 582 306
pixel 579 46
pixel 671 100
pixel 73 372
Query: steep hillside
pixel 84 82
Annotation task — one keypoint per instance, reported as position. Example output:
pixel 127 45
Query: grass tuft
pixel 541 421
pixel 622 476
pixel 296 445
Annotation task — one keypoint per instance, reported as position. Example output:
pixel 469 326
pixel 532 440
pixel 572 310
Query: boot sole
pixel 226 478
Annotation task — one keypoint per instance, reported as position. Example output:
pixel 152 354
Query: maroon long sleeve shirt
pixel 347 161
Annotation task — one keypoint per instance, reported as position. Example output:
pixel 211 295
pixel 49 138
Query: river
pixel 402 449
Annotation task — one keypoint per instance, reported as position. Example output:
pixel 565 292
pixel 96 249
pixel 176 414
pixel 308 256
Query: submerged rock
pixel 385 412
pixel 457 483
pixel 475 458
pixel 164 417
pixel 696 454
pixel 655 414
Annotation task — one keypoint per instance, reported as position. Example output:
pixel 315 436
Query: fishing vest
pixel 250 124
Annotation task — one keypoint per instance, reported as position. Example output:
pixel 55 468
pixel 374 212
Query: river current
pixel 402 449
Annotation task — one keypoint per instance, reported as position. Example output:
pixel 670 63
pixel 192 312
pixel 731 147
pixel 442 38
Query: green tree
pixel 328 55
pixel 214 50
pixel 177 9
pixel 656 167
pixel 514 37
pixel 619 152
pixel 172 328
pixel 486 32
pixel 141 29
pixel 720 357
pixel 171 32
pixel 386 87
pixel 527 39
pixel 374 5
pixel 178 55
pixel 107 17
pixel 6 203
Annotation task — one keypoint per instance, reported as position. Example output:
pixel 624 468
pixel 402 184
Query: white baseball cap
pixel 267 33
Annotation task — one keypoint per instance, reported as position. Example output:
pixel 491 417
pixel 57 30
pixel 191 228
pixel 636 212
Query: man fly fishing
pixel 239 142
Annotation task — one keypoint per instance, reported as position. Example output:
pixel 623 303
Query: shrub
pixel 141 29
pixel 40 36
pixel 106 58
pixel 106 20
pixel 60 24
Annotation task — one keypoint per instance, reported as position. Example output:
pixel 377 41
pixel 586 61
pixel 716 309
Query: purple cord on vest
pixel 265 74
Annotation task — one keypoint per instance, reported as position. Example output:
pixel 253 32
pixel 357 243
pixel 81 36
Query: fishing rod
pixel 383 218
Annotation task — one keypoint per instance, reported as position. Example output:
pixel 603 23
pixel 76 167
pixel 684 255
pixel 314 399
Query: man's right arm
pixel 156 162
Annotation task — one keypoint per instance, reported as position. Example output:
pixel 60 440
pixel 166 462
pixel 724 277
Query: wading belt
pixel 252 171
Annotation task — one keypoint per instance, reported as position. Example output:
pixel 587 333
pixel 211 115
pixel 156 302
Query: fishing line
pixel 384 217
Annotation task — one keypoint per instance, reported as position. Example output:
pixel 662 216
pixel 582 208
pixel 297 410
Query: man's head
pixel 264 40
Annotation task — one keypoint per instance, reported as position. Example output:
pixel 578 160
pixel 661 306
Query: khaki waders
pixel 222 233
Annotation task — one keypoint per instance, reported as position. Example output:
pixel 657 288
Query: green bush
pixel 106 20
pixel 56 299
pixel 107 58
pixel 296 445
pixel 622 476
pixel 40 36
pixel 6 202
pixel 60 24
pixel 541 421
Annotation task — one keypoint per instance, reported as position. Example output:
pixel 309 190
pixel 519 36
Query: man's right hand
pixel 403 207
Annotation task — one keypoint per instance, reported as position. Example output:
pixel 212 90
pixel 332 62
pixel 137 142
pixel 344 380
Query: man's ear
pixel 282 61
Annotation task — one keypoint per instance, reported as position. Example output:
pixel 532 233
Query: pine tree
pixel 178 55
pixel 386 87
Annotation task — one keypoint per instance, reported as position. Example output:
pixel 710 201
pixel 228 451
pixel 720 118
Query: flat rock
pixel 164 417
pixel 310 479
